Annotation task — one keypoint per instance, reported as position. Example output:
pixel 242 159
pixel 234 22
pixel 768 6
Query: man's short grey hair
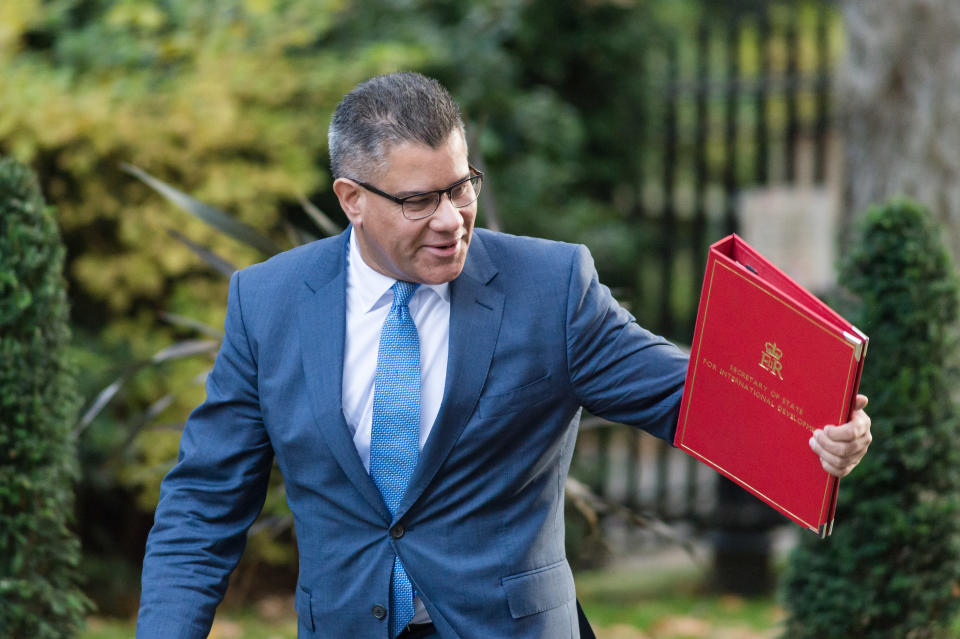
pixel 383 112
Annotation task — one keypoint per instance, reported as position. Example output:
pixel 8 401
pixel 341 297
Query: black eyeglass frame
pixel 474 173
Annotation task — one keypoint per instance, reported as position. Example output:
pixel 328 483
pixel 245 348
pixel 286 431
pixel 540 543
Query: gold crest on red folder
pixel 770 360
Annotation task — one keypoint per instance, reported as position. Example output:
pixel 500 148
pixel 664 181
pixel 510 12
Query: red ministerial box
pixel 769 364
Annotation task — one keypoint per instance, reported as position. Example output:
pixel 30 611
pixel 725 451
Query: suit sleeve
pixel 211 496
pixel 619 370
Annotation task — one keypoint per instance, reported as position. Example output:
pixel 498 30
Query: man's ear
pixel 350 195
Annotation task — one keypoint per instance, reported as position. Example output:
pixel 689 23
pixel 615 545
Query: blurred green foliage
pixel 39 597
pixel 891 567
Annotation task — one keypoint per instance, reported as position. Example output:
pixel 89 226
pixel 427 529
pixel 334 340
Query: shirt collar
pixel 373 288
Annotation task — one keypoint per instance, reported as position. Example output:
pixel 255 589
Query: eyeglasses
pixel 420 205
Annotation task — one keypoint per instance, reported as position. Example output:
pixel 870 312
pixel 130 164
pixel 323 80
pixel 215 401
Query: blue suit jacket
pixel 533 337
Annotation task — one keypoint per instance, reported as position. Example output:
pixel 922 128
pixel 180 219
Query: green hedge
pixel 39 598
pixel 892 567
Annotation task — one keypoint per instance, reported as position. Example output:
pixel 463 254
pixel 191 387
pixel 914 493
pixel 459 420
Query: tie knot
pixel 403 291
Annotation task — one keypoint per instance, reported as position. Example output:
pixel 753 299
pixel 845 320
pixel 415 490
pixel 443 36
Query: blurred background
pixel 645 129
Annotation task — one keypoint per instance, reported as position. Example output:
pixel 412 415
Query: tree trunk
pixel 899 91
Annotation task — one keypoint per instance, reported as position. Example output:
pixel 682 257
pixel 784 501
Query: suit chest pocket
pixel 513 401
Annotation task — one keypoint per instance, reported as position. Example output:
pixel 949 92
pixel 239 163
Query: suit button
pixel 379 612
pixel 397 531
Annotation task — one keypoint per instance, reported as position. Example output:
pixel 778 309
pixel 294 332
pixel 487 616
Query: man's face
pixel 431 250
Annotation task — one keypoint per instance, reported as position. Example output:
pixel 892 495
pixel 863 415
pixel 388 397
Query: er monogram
pixel 770 359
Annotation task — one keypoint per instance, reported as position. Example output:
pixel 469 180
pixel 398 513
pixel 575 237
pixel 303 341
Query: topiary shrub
pixel 39 598
pixel 892 567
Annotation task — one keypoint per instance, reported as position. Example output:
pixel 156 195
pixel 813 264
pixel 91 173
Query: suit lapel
pixel 322 319
pixel 476 308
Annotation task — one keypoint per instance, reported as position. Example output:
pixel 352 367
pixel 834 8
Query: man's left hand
pixel 842 447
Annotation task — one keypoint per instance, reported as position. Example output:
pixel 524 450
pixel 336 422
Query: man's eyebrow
pixel 403 194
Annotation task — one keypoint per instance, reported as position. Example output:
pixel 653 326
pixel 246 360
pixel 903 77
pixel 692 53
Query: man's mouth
pixel 444 249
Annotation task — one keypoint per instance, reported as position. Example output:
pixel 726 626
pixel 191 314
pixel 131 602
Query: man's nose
pixel 447 215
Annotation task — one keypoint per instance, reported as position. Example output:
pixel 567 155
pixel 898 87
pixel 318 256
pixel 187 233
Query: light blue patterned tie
pixel 395 432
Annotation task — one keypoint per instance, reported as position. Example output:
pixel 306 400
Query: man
pixel 419 382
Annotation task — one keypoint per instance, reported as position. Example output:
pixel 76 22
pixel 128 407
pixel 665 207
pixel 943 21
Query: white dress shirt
pixel 368 301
